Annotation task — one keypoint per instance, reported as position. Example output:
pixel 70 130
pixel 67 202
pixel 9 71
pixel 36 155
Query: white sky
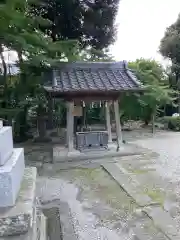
pixel 141 26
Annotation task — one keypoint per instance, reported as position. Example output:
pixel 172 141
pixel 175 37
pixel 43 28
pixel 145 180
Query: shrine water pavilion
pixel 79 83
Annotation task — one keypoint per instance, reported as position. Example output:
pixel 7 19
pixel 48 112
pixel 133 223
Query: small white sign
pixel 1 124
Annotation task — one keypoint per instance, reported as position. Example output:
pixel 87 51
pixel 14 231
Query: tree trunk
pixel 3 64
pixel 22 75
pixel 41 126
pixel 178 88
pixel 50 113
pixel 179 102
pixel 153 121
pixel 20 56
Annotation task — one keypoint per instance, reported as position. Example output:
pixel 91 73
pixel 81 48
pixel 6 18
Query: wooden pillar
pixel 70 126
pixel 67 123
pixel 118 123
pixel 108 121
pixel 83 127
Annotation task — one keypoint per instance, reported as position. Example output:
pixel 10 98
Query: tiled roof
pixel 93 77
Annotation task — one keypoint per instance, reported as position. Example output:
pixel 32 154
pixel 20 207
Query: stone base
pixel 63 152
pixel 60 154
pixel 10 178
pixel 112 146
pixel 74 153
pixel 19 218
pixel 6 144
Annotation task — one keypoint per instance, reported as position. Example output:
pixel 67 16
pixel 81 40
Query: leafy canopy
pixel 170 43
pixel 89 22
pixel 157 92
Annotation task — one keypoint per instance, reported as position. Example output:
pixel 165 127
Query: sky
pixel 141 26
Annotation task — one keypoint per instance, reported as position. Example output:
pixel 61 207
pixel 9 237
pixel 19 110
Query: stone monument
pixel 18 203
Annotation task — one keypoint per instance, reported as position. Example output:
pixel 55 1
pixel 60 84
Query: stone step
pixel 128 184
pixel 6 144
pixel 20 218
pixel 11 175
pixel 163 221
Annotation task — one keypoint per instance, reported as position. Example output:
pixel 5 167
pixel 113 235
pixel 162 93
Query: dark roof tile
pixel 83 76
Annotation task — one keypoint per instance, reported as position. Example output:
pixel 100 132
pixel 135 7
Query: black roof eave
pixel 57 91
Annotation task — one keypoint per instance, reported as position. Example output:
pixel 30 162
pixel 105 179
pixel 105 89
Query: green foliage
pixel 148 70
pixel 173 123
pixel 89 22
pixel 170 43
pixel 44 33
pixel 156 95
pixel 170 48
pixel 20 31
pixel 93 55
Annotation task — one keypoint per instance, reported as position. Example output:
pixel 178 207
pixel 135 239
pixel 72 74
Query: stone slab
pixel 6 144
pixel 11 175
pixel 60 154
pixel 19 218
pixel 127 183
pixel 163 221
pixel 141 233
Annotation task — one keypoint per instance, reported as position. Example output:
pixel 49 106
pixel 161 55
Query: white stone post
pixel 1 124
pixel 70 126
pixel 118 123
pixel 108 121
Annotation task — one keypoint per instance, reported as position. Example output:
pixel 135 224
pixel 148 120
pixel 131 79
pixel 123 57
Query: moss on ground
pixel 142 171
pixel 156 195
pixel 98 184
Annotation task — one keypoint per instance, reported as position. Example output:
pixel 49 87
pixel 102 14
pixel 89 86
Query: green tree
pixel 170 49
pixel 89 22
pixel 20 31
pixel 156 95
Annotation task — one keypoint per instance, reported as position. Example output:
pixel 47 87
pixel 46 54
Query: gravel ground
pixel 100 208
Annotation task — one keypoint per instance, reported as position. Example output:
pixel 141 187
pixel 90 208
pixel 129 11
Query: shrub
pixel 172 123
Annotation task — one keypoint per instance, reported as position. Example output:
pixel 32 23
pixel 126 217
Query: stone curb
pixel 130 186
pixel 130 151
pixel 141 234
pixel 161 219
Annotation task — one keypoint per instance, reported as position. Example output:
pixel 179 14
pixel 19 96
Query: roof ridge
pixel 92 65
pixel 131 74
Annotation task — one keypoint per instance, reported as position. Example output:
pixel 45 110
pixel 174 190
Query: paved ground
pixel 164 176
pixel 167 145
pixel 100 208
pixel 110 201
